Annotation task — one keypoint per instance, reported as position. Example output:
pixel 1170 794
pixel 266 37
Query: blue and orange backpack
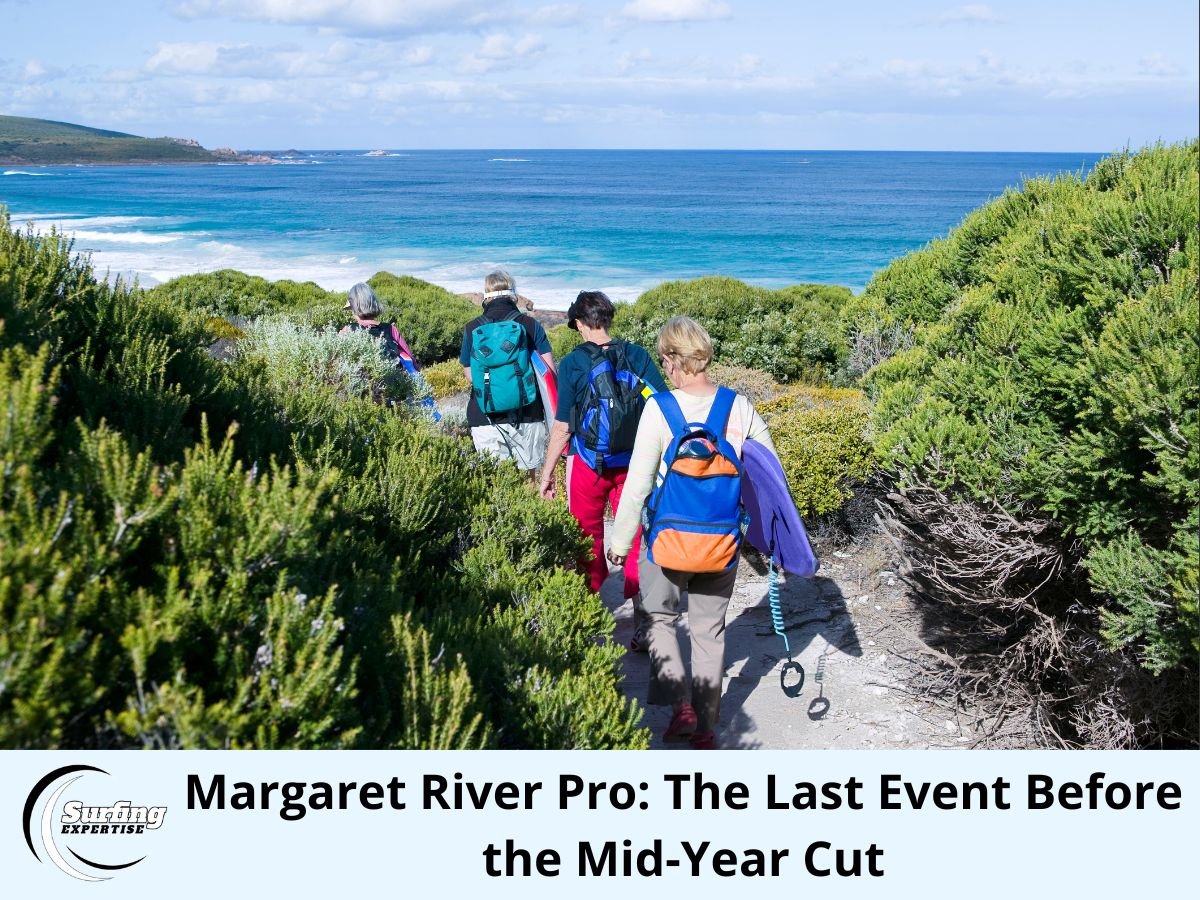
pixel 693 520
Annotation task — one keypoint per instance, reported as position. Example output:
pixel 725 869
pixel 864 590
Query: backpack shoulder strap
pixel 672 413
pixel 718 416
pixel 594 353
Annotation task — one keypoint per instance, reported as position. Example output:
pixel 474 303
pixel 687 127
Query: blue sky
pixel 316 74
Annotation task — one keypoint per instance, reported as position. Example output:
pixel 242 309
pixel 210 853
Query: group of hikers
pixel 667 462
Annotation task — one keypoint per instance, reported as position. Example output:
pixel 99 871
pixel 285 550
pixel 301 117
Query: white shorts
pixel 525 443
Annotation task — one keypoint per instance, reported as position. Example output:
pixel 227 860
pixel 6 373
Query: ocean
pixel 559 220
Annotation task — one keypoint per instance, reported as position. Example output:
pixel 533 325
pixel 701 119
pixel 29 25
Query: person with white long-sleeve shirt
pixel 685 349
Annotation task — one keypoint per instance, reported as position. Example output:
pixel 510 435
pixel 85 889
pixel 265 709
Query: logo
pixel 112 825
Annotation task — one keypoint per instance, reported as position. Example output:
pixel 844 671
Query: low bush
pixel 758 387
pixel 563 340
pixel 228 293
pixel 430 318
pixel 822 440
pixel 793 334
pixel 1041 429
pixel 446 378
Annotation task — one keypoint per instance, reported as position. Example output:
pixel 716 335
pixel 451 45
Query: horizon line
pixel 250 149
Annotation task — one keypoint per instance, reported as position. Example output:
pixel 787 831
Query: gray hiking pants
pixel 708 598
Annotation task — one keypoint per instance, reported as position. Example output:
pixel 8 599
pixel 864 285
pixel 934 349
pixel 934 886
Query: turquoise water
pixel 560 221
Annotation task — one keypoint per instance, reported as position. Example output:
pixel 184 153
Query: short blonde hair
pixel 686 342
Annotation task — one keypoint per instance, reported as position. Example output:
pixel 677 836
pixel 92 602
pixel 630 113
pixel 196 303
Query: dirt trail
pixel 852 627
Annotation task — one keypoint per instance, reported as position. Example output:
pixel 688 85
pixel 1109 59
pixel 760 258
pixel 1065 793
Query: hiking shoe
pixel 683 725
pixel 704 740
pixel 639 643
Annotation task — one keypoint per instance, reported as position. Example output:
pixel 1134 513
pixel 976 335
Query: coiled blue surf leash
pixel 776 601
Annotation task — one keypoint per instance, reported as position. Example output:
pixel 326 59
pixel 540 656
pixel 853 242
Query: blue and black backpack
pixel 693 520
pixel 605 424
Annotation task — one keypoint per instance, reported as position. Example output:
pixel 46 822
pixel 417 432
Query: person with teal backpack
pixel 505 410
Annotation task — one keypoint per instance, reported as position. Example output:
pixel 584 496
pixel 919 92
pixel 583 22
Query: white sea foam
pixel 30 174
pixel 124 237
pixel 155 263
pixel 71 221
pixel 508 159
pixel 131 248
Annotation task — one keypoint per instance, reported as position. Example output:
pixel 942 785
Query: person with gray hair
pixel 505 410
pixel 361 301
pixel 367 310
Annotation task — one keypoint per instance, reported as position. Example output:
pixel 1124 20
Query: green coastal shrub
pixel 430 318
pixel 295 358
pixel 757 386
pixel 256 552
pixel 1051 383
pixel 822 440
pixel 563 340
pixel 791 334
pixel 229 293
pixel 446 378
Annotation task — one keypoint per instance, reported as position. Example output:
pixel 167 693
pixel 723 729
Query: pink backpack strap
pixel 403 345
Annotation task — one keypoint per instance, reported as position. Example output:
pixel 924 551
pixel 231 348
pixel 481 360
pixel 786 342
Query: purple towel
pixel 775 526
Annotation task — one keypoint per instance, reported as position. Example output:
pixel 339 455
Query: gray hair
pixel 497 283
pixel 363 302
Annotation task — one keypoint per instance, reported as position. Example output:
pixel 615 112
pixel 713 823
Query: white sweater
pixel 653 436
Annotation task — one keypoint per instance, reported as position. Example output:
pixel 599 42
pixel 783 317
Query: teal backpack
pixel 501 370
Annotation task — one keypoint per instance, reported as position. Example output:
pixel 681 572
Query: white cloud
pixel 631 60
pixel 34 71
pixel 184 58
pixel 356 16
pixel 675 10
pixel 556 15
pixel 502 48
pixel 748 64
pixel 1158 66
pixel 347 59
pixel 418 56
pixel 970 14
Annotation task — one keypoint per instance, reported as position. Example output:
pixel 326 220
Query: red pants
pixel 588 492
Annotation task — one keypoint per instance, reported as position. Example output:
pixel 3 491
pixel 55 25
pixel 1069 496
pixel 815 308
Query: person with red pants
pixel 602 386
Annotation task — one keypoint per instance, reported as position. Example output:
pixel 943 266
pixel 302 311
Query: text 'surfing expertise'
pixel 505 858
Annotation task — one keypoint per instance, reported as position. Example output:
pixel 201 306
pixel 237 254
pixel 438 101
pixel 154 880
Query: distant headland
pixel 42 142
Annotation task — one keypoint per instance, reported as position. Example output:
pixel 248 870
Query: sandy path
pixel 854 630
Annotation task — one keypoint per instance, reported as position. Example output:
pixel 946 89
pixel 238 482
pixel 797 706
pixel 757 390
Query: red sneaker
pixel 640 643
pixel 683 724
pixel 704 740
